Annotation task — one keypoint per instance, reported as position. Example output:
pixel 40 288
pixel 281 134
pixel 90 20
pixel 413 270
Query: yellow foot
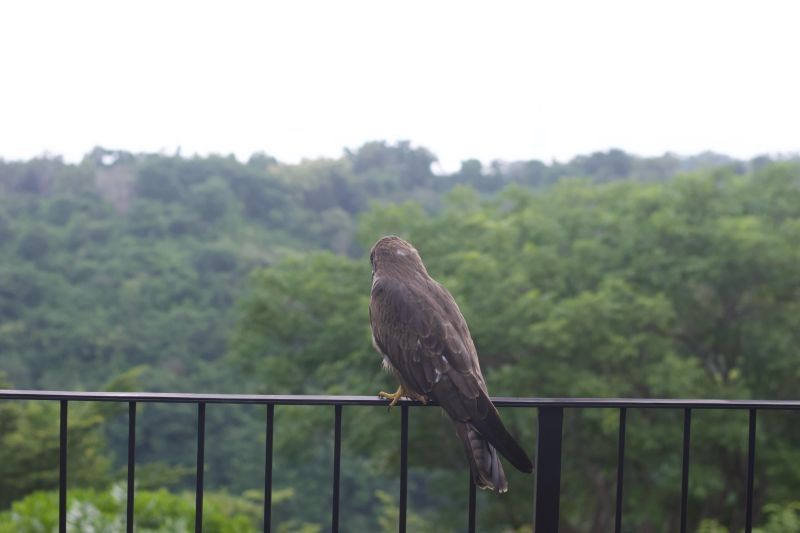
pixel 394 397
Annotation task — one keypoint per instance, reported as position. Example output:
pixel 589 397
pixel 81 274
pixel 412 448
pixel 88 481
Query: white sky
pixel 491 80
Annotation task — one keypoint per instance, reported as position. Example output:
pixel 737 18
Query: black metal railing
pixel 548 447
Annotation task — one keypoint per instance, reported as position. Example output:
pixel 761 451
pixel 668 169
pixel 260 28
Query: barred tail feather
pixel 495 432
pixel 484 461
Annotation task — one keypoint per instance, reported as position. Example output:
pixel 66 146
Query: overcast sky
pixel 490 80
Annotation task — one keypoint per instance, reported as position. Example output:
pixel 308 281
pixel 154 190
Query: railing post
pixel 401 526
pixel 548 470
pixel 337 459
pixel 472 518
pixel 687 437
pixel 201 450
pixel 268 469
pixel 751 462
pixel 620 469
pixel 129 512
pixel 62 469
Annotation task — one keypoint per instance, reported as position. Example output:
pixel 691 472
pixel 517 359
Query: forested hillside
pixel 608 275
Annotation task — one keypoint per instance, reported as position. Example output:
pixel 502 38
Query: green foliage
pixel 781 518
pixel 390 515
pixel 778 519
pixel 156 512
pixel 296 314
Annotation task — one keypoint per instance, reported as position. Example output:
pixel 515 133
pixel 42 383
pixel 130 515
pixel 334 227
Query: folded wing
pixel 418 326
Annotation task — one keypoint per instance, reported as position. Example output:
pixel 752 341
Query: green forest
pixel 609 275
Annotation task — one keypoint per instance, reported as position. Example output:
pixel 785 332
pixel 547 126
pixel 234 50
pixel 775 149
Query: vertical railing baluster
pixel 687 432
pixel 337 455
pixel 548 470
pixel 751 462
pixel 620 468
pixel 403 468
pixel 62 470
pixel 472 521
pixel 201 445
pixel 268 470
pixel 131 465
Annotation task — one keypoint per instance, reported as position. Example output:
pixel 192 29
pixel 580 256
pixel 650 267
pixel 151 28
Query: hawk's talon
pixel 399 393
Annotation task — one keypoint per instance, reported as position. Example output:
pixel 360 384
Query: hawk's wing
pixel 418 326
pixel 420 329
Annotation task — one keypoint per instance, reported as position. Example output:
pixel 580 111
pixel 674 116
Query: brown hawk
pixel 419 330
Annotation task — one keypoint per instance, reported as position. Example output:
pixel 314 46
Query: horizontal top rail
pixel 300 399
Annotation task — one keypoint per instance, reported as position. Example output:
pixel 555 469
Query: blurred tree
pixel 29 448
pixel 387 168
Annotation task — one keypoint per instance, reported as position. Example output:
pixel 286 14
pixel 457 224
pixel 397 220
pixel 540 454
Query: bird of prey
pixel 419 330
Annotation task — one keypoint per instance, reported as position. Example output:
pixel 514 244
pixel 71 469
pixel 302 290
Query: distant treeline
pixel 310 201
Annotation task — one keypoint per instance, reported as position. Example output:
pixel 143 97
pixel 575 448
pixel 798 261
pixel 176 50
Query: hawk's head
pixel 393 253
